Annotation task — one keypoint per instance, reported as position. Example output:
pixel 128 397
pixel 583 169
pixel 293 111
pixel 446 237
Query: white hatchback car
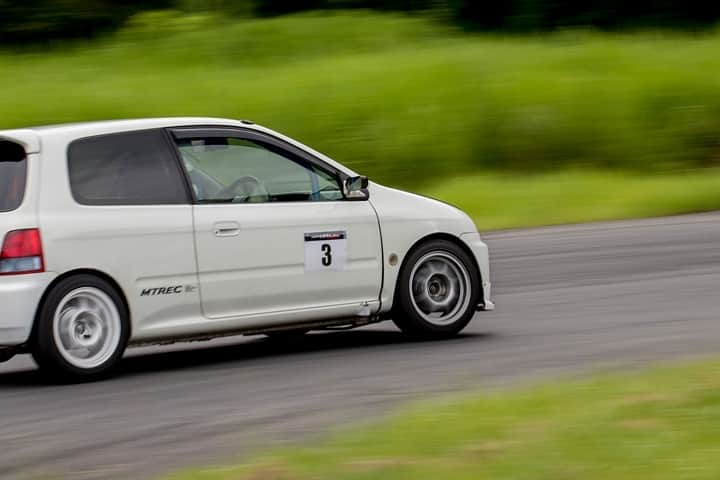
pixel 160 230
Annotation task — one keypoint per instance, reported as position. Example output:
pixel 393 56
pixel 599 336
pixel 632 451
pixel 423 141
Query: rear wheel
pixel 82 329
pixel 438 291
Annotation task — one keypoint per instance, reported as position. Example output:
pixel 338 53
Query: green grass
pixel 398 98
pixel 507 201
pixel 484 121
pixel 661 424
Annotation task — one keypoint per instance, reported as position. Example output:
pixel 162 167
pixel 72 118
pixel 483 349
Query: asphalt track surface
pixel 570 300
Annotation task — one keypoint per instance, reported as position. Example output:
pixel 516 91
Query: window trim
pixel 168 144
pixel 285 148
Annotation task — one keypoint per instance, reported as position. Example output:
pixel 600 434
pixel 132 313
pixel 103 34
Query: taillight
pixel 22 253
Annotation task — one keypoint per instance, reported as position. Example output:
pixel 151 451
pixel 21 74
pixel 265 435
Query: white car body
pixel 189 271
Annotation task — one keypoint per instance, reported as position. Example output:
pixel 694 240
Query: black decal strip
pixel 325 236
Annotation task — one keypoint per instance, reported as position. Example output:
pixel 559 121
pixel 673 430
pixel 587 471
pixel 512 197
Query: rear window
pixel 13 172
pixel 131 168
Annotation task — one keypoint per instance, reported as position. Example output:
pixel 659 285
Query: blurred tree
pixel 606 14
pixel 44 20
pixel 277 7
pixel 235 7
pixel 526 15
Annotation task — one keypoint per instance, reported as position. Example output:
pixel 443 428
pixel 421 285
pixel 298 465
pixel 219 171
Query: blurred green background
pixel 522 112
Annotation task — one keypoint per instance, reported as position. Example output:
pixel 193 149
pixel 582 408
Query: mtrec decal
pixel 174 290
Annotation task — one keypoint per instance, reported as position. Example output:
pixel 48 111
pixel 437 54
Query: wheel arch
pixel 81 271
pixel 440 236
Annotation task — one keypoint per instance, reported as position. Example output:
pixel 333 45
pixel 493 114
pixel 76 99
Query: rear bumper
pixel 482 256
pixel 19 299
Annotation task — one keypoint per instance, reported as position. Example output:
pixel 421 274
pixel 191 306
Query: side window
pixel 132 168
pixel 245 171
pixel 13 172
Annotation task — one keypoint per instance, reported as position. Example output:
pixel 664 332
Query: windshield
pixel 13 166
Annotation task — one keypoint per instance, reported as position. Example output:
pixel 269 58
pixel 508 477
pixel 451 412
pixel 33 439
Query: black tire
pixel 408 314
pixel 44 346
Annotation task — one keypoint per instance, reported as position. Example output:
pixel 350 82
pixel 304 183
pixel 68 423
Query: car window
pixel 131 168
pixel 224 169
pixel 13 171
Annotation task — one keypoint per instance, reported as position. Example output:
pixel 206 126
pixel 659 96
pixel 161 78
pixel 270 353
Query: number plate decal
pixel 325 251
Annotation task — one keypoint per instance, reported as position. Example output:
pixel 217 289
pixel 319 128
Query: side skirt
pixel 337 324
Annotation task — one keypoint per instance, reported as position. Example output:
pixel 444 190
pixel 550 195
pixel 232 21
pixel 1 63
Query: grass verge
pixel 405 99
pixel 500 201
pixel 398 98
pixel 660 424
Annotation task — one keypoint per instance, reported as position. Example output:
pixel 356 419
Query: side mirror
pixel 355 188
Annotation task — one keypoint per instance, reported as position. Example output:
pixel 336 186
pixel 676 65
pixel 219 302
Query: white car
pixel 178 229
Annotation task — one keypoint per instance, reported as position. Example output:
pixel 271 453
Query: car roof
pixel 136 123
pixel 31 137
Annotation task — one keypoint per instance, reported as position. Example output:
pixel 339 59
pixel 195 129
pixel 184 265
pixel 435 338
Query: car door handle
pixel 226 229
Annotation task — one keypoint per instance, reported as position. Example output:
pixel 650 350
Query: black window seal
pixel 170 142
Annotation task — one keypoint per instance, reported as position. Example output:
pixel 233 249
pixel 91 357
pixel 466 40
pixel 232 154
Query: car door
pixel 273 231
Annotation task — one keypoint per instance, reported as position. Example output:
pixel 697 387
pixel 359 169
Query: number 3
pixel 327 257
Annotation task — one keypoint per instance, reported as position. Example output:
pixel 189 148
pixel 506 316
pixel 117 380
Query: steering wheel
pixel 246 189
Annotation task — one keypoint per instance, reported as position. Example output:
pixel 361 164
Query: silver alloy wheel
pixel 87 327
pixel 440 286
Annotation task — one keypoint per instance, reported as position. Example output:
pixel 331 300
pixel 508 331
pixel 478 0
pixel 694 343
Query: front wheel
pixel 438 291
pixel 82 329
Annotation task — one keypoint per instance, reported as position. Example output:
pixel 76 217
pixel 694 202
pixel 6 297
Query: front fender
pixel 405 219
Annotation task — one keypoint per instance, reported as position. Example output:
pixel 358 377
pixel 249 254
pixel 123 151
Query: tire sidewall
pixel 405 313
pixel 45 349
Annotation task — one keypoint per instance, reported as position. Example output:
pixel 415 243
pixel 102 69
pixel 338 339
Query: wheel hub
pixel 440 286
pixel 87 329
pixel 437 287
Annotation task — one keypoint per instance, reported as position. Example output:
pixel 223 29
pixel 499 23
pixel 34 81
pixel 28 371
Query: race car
pixel 152 231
